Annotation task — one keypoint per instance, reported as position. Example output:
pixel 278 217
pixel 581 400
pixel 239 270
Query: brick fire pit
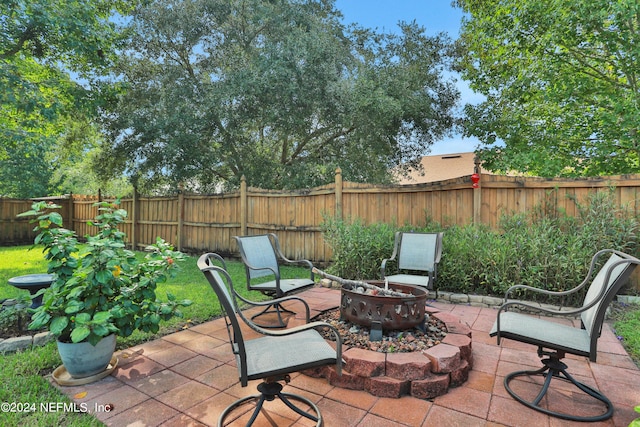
pixel 422 374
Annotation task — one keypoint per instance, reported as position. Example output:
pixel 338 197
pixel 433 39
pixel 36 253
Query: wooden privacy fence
pixel 199 223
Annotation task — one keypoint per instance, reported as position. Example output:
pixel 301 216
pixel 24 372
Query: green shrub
pixel 473 260
pixel 15 315
pixel 544 248
pixel 358 249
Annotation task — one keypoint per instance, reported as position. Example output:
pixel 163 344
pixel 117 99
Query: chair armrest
pixel 383 267
pixel 532 307
pixel 305 262
pixel 252 267
pixel 393 256
pixel 569 312
pixel 438 250
pixel 280 254
pixel 544 291
pixel 592 267
pixel 562 293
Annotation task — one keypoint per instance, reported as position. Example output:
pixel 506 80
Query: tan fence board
pixel 200 223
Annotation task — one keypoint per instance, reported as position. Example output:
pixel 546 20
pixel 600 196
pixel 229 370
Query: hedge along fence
pixel 199 223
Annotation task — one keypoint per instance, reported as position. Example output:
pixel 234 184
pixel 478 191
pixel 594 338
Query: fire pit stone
pixel 421 374
pixel 424 374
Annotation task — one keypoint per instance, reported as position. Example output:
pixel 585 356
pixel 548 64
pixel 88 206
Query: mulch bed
pixel 392 341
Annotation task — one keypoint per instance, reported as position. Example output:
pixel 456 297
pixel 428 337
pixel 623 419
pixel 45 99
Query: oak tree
pixel 52 56
pixel 279 91
pixel 561 80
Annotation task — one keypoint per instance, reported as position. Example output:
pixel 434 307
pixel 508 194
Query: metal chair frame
pixel 555 340
pixel 274 355
pixel 262 256
pixel 415 252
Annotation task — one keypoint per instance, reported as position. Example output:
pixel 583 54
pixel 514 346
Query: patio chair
pixel 415 252
pixel 272 356
pixel 261 256
pixel 555 340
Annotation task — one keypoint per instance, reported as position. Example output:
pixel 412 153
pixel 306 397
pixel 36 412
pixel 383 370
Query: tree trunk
pixel 355 283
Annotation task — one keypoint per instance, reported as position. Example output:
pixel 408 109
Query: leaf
pixel 39 319
pixel 154 318
pixel 56 218
pixel 101 330
pixel 101 316
pixel 73 306
pixel 83 318
pixel 80 395
pixel 58 324
pixel 76 291
pixel 94 339
pixel 80 333
pixel 104 276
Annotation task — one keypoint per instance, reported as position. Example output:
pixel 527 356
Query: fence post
pixel 180 216
pixel 243 206
pixel 71 224
pixel 134 219
pixel 477 193
pixel 338 180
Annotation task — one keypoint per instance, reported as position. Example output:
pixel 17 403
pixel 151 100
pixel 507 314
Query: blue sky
pixel 435 16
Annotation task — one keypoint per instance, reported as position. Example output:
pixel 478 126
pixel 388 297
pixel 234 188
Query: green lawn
pixel 627 328
pixel 23 374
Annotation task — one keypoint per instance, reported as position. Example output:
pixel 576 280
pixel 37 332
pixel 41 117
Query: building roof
pixel 441 167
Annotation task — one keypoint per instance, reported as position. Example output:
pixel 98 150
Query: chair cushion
pixel 409 279
pixel 543 333
pixel 260 253
pixel 418 251
pixel 276 355
pixel 286 285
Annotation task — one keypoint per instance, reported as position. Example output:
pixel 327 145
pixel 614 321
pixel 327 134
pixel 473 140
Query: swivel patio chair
pixel 555 340
pixel 415 252
pixel 261 255
pixel 274 355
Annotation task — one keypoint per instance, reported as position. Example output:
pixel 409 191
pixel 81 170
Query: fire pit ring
pixel 392 312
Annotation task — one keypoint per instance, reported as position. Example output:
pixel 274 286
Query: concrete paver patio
pixel 189 377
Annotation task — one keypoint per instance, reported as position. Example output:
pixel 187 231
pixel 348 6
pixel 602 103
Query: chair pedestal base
pixel 554 368
pixel 269 391
pixel 276 309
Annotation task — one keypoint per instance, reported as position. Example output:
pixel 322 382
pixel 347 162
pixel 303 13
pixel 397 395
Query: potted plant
pixel 100 289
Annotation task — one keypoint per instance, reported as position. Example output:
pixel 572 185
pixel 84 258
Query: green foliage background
pixel 544 248
pixel 560 80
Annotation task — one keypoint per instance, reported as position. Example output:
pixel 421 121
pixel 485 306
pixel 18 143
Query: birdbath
pixel 33 283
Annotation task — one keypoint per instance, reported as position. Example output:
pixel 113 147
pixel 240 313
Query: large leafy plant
pixel 100 287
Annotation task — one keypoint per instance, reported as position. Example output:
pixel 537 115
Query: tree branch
pixel 26 35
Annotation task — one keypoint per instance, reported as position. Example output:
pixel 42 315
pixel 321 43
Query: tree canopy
pixel 279 91
pixel 41 43
pixel 561 84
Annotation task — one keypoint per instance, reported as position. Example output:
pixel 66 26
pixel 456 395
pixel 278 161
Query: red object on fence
pixel 475 178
